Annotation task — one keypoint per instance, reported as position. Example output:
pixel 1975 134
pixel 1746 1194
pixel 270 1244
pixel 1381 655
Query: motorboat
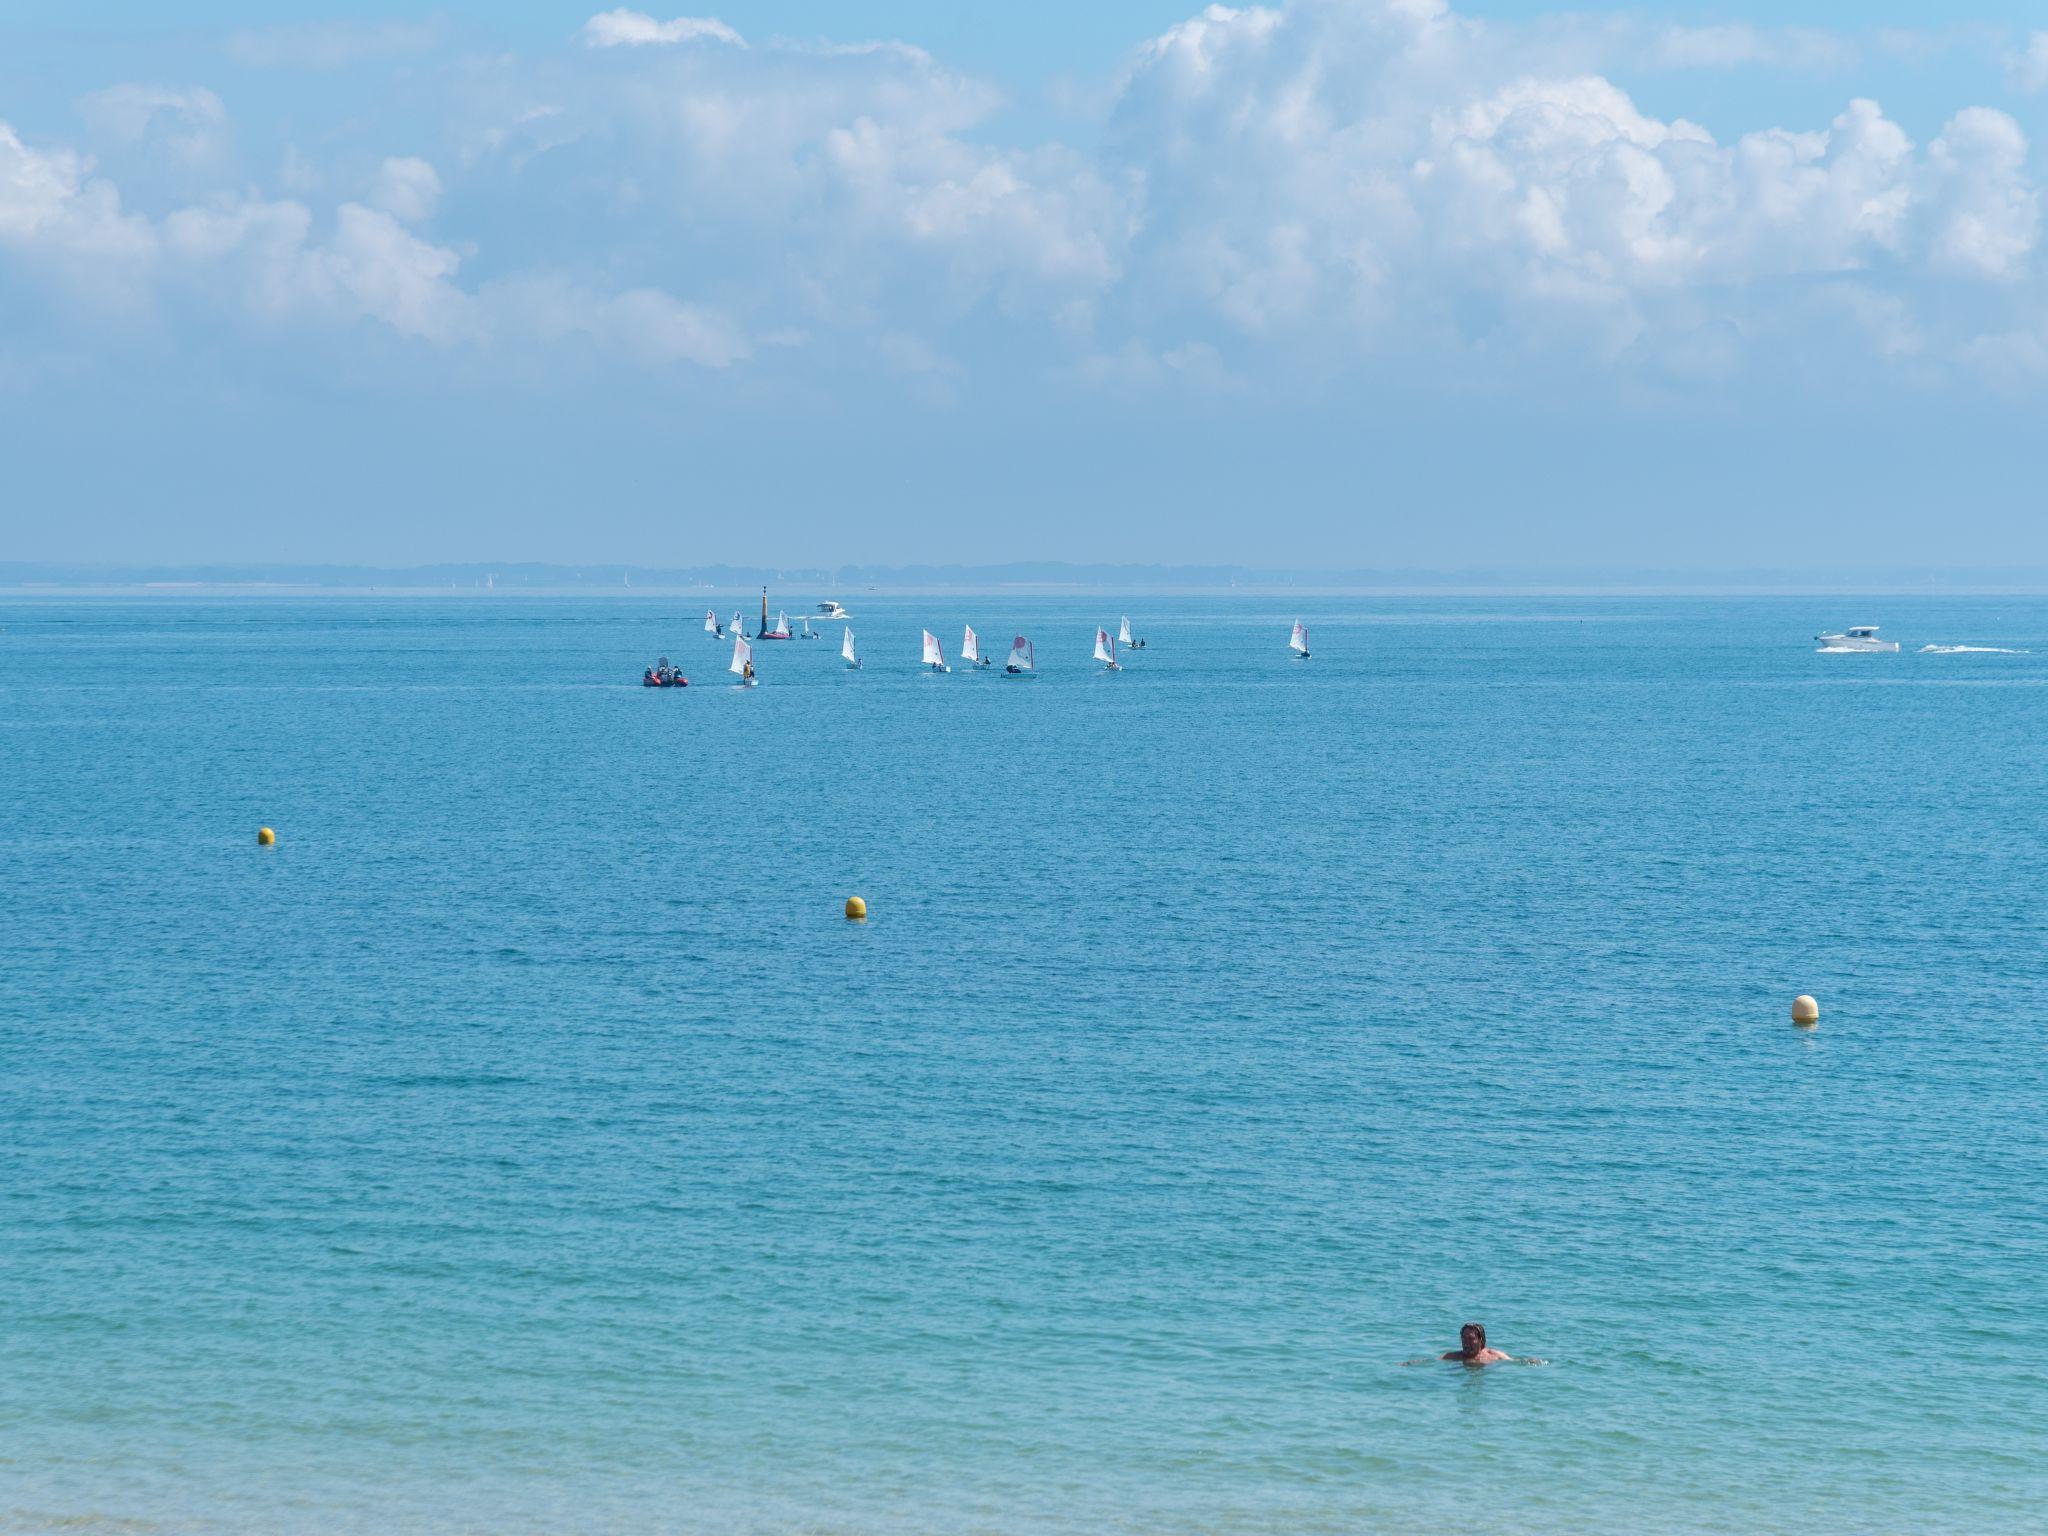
pixel 1857 637
pixel 832 610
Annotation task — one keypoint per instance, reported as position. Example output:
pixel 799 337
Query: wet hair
pixel 1478 1328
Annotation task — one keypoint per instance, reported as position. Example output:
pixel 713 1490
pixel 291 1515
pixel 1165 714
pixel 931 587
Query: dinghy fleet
pixel 1022 660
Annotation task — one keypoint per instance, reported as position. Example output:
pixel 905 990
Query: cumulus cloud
pixel 636 29
pixel 2029 67
pixel 1985 211
pixel 1342 180
pixel 407 188
pixel 50 205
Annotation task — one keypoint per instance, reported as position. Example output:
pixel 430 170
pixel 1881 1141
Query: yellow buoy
pixel 265 837
pixel 1805 1011
pixel 856 910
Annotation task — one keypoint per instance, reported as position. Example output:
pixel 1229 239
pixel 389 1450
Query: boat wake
pixel 1971 650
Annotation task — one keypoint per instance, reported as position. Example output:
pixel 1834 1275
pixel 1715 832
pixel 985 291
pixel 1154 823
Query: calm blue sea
pixel 527 1144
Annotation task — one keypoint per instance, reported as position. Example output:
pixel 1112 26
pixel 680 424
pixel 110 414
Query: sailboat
pixel 738 625
pixel 1299 641
pixel 711 625
pixel 809 633
pixel 934 657
pixel 1123 636
pixel 743 661
pixel 1020 663
pixel 1105 651
pixel 846 650
pixel 970 649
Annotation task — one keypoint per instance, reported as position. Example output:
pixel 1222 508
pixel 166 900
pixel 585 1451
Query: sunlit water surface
pixel 526 1143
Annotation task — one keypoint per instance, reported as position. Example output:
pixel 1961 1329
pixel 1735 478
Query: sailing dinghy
pixel 970 649
pixel 934 657
pixel 1298 643
pixel 846 650
pixel 1105 651
pixel 1020 663
pixel 1123 636
pixel 711 625
pixel 743 661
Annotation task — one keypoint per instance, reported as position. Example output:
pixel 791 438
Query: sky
pixel 1339 284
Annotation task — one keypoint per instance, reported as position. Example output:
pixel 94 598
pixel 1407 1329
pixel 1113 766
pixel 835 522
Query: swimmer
pixel 1472 1348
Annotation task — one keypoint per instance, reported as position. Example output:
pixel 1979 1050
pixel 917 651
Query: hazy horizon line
pixel 538 577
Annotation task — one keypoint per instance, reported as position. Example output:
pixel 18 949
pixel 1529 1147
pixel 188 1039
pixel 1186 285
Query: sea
pixel 527 1142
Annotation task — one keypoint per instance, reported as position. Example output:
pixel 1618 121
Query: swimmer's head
pixel 1472 1338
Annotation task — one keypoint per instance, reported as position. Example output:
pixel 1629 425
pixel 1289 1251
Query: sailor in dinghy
pixel 742 661
pixel 1020 663
pixel 1298 642
pixel 934 656
pixel 1105 651
pixel 846 650
pixel 711 625
pixel 1123 636
pixel 970 649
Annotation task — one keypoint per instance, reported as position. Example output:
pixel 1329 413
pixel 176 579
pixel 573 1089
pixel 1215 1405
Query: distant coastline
pixel 539 579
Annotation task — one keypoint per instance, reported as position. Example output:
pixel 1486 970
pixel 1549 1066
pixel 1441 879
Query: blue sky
pixel 1329 283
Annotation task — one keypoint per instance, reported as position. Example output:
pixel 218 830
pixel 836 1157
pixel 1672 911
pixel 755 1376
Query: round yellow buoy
pixel 1805 1011
pixel 265 838
pixel 856 910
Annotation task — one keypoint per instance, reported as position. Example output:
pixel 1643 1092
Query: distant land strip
pixel 839 580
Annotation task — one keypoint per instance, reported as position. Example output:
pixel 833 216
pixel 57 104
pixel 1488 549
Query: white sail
pixel 1299 642
pixel 1102 650
pixel 969 650
pixel 710 622
pixel 1020 655
pixel 846 650
pixel 742 653
pixel 1123 631
pixel 739 625
pixel 933 655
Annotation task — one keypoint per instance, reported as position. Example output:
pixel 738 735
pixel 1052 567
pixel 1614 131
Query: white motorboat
pixel 832 610
pixel 1857 637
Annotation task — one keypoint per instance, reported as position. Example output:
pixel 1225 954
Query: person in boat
pixel 649 680
pixel 1472 1348
pixel 748 675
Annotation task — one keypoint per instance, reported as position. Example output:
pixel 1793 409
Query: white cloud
pixel 635 29
pixel 50 205
pixel 1341 181
pixel 2029 67
pixel 126 114
pixel 406 188
pixel 1985 210
pixel 645 323
pixel 331 44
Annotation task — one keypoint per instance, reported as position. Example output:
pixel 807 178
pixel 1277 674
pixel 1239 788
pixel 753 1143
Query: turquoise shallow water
pixel 527 1144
